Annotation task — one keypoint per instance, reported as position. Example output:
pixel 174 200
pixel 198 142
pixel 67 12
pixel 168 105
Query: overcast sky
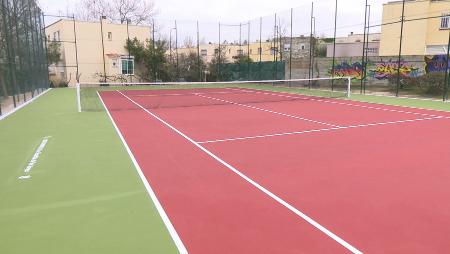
pixel 209 12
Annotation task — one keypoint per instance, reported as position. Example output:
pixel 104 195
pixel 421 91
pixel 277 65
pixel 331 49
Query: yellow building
pixel 420 37
pixel 92 62
pixel 231 51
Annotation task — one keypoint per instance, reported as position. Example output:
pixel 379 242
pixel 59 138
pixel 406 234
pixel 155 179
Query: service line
pixel 320 130
pixel 311 98
pixel 34 159
pixel 268 111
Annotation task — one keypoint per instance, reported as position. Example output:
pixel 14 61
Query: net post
pixel 78 97
pixel 349 87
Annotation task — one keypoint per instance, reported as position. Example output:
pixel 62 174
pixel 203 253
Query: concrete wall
pixel 378 71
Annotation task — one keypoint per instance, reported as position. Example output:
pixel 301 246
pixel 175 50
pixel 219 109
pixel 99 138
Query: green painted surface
pixel 84 196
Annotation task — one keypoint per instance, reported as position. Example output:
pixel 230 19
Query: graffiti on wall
pixel 386 69
pixel 348 69
pixel 435 63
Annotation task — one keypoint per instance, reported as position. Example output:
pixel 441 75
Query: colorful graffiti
pixel 435 63
pixel 348 69
pixel 386 69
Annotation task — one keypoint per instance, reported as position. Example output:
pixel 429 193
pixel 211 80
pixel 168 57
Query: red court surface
pixel 245 171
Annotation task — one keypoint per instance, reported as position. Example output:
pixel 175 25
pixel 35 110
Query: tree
pixel 189 66
pixel 137 11
pixel 188 42
pixel 216 72
pixel 54 52
pixel 282 29
pixel 152 59
pixel 243 59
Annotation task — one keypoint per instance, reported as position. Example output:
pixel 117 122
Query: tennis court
pixel 236 170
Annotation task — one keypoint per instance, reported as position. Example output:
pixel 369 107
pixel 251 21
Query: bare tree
pixel 188 42
pixel 137 11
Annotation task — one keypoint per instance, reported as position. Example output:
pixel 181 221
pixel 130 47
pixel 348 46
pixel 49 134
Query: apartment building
pixel 97 48
pixel 425 31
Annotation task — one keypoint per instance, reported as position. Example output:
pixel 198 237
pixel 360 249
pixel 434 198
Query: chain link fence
pixel 402 53
pixel 23 60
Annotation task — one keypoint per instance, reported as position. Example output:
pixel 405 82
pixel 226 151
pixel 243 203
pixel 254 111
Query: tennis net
pixel 190 94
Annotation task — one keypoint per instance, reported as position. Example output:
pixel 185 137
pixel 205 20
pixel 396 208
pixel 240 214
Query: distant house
pixel 352 45
pixel 300 47
pixel 94 59
pixel 231 51
pixel 424 35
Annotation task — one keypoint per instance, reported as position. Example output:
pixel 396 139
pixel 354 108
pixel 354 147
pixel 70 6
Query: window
pixel 303 46
pixel 56 36
pixel 372 50
pixel 259 51
pixel 445 21
pixel 127 65
pixel 110 36
pixel 436 50
pixel 251 51
pixel 287 47
pixel 240 52
pixel 204 52
pixel 273 50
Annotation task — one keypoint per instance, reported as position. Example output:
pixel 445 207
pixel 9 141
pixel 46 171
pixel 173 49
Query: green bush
pixel 429 84
pixel 58 82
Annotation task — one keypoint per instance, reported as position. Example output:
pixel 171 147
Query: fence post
pixel 248 52
pixel 291 47
pixel 445 95
pixel 334 46
pixel 367 50
pixel 260 47
pixel 363 60
pixel 198 55
pixel 34 62
pixel 10 51
pixel 310 73
pixel 400 49
pixel 103 49
pixel 21 81
pixel 219 56
pixel 76 48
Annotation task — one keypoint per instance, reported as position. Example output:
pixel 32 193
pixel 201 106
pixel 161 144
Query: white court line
pixel 173 233
pixel 268 111
pixel 23 105
pixel 34 159
pixel 252 182
pixel 319 130
pixel 281 94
